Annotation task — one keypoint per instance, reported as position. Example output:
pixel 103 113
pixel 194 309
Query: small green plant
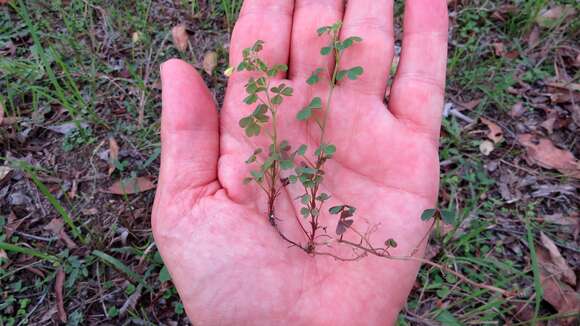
pixel 307 169
pixel 77 138
pixel 279 165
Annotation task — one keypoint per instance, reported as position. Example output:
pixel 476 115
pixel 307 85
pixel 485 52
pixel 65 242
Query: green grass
pixel 78 61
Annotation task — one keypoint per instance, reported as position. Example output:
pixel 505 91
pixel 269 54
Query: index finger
pixel 418 89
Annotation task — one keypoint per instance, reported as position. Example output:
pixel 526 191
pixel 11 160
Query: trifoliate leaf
pixel 329 149
pixel 336 209
pixel 251 99
pixel 304 114
pixel 316 103
pixel 428 214
pixel 286 164
pixel 355 72
pixel 314 77
pixel 448 216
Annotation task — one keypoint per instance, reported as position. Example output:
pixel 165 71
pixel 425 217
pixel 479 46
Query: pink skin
pixel 227 262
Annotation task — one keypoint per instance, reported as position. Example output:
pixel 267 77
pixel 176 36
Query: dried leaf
pixel 4 171
pixel 48 315
pixel 561 296
pixel 68 127
pixel 74 188
pixel 569 87
pixel 561 219
pixel 56 226
pixel 486 147
pixel 1 109
pixel 543 152
pixel 3 258
pixel 567 274
pixel 499 49
pixel 548 17
pixel 136 37
pixel 180 37
pixel 469 105
pixel 113 154
pixel 12 224
pixel 131 301
pixel 90 211
pixel 343 225
pixel 210 62
pixel 495 132
pixel 131 186
pixel 534 37
pixel 431 251
pixel 58 286
pixel 517 110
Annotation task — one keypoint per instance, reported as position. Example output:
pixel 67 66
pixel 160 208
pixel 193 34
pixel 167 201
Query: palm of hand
pixel 226 260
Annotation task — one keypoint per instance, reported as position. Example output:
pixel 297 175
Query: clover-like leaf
pixel 322 30
pixel 287 91
pixel 323 197
pixel 251 99
pixel 336 209
pixel 253 129
pixel 302 150
pixel 341 74
pixel 304 114
pixel 448 216
pixel 326 50
pixel 306 170
pixel 258 46
pixel 428 214
pixel 348 42
pixel 391 243
pixel 245 121
pixel 286 164
pixel 277 100
pixel 314 77
pixel 316 103
pixel 258 175
pixel 355 72
pixel 329 149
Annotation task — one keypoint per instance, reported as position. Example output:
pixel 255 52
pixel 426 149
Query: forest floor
pixel 79 113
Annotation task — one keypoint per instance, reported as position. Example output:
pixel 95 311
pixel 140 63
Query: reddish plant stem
pixel 463 278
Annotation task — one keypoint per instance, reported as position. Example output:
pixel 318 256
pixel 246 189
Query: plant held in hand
pixel 308 170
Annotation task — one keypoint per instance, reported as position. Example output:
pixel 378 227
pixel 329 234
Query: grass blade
pixel 54 202
pixel 119 265
pixel 28 251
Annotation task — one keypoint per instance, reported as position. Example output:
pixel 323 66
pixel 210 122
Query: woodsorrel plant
pixel 308 171
pixel 308 168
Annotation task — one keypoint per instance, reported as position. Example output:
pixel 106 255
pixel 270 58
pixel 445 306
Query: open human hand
pixel 227 262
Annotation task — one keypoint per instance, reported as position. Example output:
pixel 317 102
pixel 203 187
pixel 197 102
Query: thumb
pixel 189 132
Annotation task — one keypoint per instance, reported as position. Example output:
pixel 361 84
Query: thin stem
pixel 463 278
pixel 337 57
